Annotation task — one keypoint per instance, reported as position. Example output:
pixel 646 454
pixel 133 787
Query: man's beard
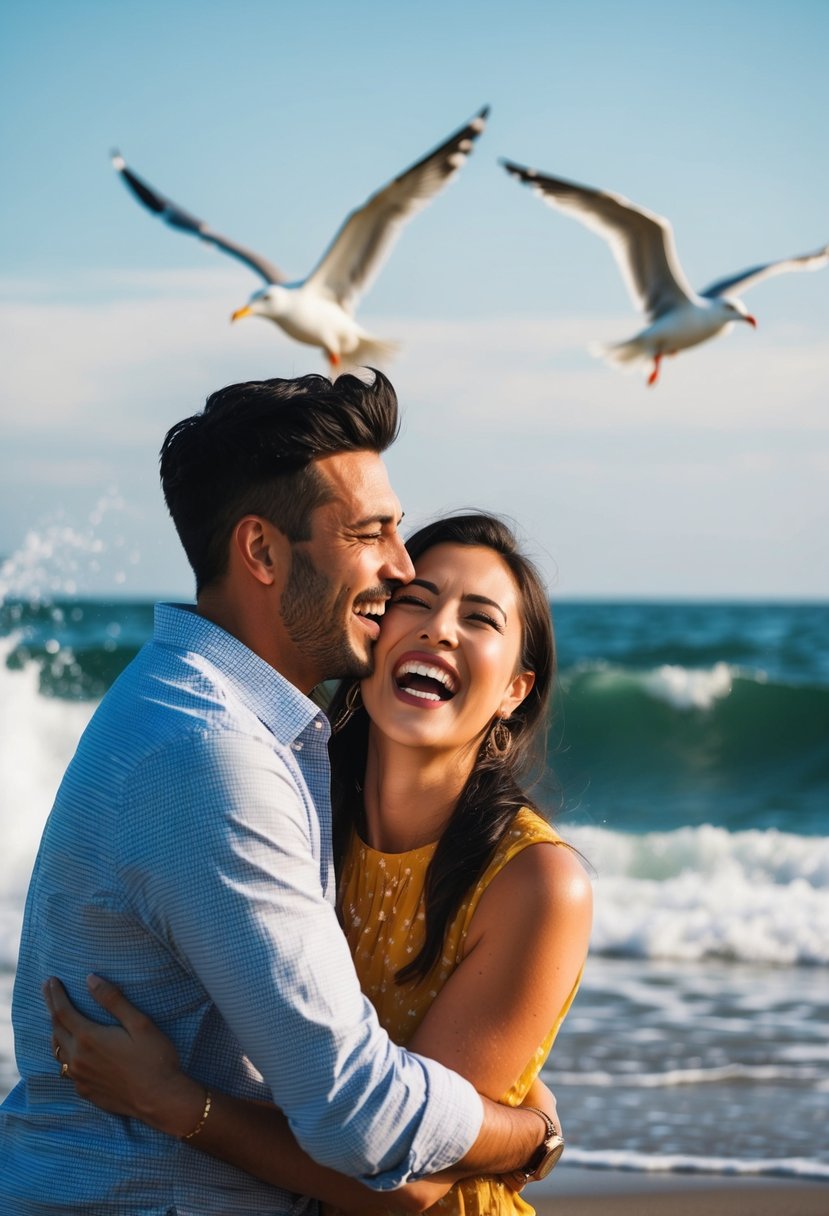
pixel 318 625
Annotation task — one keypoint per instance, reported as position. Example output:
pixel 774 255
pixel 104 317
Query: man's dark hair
pixel 251 451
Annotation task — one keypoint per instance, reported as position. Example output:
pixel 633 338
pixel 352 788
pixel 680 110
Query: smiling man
pixel 188 854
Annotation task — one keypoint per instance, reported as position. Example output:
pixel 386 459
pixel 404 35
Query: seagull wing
pixel 177 217
pixel 365 239
pixel 747 278
pixel 642 243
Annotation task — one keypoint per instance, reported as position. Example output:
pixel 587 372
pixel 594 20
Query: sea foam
pixel 760 897
pixel 686 689
pixel 682 688
pixel 38 736
pixel 671 1078
pixel 678 1163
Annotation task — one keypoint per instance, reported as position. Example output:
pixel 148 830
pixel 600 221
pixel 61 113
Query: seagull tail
pixel 624 355
pixel 371 352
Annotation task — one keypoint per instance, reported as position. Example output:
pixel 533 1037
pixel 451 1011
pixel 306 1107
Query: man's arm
pixel 132 1069
pixel 230 883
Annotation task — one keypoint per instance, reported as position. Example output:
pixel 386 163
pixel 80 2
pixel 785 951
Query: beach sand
pixel 580 1192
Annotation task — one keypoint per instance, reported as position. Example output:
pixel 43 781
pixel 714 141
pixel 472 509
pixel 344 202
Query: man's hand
pixel 541 1096
pixel 130 1069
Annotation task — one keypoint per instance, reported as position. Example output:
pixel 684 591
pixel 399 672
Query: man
pixel 188 854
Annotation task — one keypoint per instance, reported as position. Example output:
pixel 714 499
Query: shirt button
pixel 317 724
pixel 297 747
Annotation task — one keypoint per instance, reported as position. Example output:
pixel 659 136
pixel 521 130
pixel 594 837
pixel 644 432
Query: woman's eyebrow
pixel 473 599
pixel 483 599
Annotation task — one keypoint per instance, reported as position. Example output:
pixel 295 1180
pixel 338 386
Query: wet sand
pixel 580 1192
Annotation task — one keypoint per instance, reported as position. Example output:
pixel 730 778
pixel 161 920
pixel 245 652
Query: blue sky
pixel 273 119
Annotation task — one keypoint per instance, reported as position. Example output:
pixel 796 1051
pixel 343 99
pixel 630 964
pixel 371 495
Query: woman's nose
pixel 440 629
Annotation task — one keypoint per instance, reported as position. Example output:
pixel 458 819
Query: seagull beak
pixel 247 311
pixel 751 320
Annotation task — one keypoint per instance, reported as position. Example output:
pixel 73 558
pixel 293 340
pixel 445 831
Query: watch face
pixel 555 1147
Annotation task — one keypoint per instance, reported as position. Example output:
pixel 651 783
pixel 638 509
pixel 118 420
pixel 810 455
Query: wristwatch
pixel 548 1152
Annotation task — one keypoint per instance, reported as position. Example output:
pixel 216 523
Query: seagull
pixel 643 245
pixel 319 310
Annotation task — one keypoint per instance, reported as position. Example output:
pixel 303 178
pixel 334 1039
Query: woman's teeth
pixel 421 693
pixel 417 673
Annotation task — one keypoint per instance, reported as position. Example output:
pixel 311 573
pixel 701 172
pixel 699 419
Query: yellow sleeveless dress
pixel 382 909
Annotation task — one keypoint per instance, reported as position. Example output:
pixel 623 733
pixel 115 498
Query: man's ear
pixel 259 547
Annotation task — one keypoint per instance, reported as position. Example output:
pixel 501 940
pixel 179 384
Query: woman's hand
pixel 130 1069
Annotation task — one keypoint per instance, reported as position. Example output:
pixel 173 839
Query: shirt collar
pixel 283 709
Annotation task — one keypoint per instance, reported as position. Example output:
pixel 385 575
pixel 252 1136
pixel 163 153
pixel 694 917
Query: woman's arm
pixel 526 946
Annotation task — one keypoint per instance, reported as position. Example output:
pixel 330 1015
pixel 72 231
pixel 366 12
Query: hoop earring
pixel 499 743
pixel 353 702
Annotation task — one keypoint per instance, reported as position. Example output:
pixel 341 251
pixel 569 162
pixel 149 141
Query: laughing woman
pixel 467 916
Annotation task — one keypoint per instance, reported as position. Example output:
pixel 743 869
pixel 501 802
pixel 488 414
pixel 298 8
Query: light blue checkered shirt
pixel 188 859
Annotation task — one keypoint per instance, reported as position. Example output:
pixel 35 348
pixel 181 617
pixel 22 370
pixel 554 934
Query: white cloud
pixel 536 373
pixel 728 453
pixel 112 359
pixel 60 473
pixel 116 367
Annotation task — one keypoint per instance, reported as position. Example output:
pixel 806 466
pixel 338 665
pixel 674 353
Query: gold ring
pixel 64 1069
pixel 57 1052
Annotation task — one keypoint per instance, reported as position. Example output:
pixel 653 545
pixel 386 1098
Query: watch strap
pixel 550 1130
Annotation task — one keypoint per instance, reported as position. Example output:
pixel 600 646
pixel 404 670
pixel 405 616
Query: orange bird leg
pixel 654 376
pixel 334 360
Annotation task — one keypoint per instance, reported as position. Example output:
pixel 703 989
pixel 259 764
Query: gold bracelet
pixel 208 1102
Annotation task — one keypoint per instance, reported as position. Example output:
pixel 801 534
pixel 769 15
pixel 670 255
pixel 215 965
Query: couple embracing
pixel 373 1048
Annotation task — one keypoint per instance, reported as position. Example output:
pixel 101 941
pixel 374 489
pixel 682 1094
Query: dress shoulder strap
pixel 527 828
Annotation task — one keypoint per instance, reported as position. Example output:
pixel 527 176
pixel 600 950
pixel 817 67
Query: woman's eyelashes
pixel 406 597
pixel 415 601
pixel 486 619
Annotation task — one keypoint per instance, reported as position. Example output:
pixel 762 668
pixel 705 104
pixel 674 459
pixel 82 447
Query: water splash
pixel 60 560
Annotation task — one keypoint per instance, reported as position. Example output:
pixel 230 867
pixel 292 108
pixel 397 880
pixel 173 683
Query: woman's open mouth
pixel 426 681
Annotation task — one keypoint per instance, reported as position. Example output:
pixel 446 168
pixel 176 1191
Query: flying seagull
pixel 319 310
pixel 643 245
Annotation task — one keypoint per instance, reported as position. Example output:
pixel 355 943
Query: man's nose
pixel 398 567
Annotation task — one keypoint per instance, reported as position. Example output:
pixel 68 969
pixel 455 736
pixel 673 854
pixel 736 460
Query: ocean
pixel 688 761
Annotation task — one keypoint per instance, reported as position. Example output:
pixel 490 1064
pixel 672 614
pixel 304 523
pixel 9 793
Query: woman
pixel 469 942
